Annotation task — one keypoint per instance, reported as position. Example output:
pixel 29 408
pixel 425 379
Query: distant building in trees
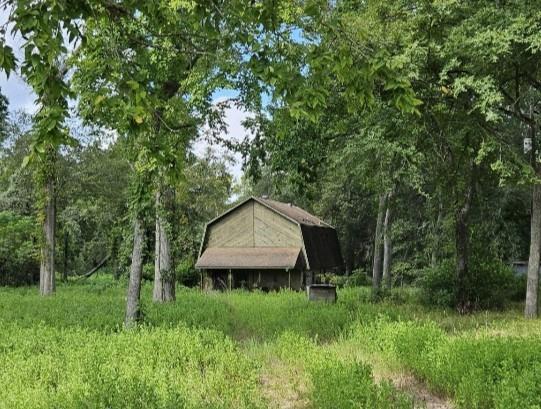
pixel 520 268
pixel 262 243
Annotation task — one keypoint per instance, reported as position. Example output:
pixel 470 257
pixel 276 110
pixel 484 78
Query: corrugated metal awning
pixel 249 258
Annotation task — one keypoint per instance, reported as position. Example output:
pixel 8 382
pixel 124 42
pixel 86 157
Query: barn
pixel 266 244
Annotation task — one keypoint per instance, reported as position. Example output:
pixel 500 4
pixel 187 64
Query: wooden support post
pixel 289 278
pixel 230 280
pixel 309 278
pixel 259 279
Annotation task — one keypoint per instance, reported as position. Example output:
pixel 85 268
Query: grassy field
pixel 255 350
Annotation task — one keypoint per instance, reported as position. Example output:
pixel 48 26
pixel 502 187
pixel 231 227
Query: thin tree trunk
pixel 46 272
pixel 65 266
pixel 164 279
pixel 114 258
pixel 387 244
pixel 531 308
pixel 463 303
pixel 532 287
pixel 136 272
pixel 436 239
pixel 378 247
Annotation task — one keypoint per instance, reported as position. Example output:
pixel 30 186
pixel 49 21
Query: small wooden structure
pixel 520 268
pixel 321 292
pixel 262 243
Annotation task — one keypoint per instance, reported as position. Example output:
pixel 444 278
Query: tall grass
pixel 477 370
pixel 70 350
pixel 222 350
pixel 336 382
pixel 44 367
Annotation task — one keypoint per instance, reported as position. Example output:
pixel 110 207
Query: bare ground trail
pixel 422 396
pixel 286 386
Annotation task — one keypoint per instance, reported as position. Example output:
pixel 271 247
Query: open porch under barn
pixel 266 280
pixel 265 268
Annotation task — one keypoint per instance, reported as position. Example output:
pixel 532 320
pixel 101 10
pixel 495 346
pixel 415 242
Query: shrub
pixel 437 285
pixel 357 278
pixel 337 382
pixel 148 271
pixel 186 273
pixel 18 250
pixel 518 287
pixel 144 368
pixel 490 284
pixel 478 372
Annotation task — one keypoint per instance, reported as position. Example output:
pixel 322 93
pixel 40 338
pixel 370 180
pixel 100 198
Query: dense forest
pixel 411 126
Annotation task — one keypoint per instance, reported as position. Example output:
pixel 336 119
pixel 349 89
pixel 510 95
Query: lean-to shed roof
pixel 282 258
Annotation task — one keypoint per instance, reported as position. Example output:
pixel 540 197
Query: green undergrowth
pixel 337 382
pixel 99 305
pixel 490 368
pixel 252 350
pixel 146 368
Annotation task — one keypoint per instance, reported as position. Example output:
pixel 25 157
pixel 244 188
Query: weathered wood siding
pixel 274 230
pixel 234 230
pixel 254 225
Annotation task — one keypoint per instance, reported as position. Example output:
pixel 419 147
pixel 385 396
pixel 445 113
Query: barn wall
pixel 234 230
pixel 254 225
pixel 273 230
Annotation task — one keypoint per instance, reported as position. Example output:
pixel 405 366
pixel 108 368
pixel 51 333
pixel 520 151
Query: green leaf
pixel 26 161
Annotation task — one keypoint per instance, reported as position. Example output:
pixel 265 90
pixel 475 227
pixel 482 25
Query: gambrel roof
pixel 316 248
pixel 293 212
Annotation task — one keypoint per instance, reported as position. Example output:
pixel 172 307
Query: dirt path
pixel 423 397
pixel 400 378
pixel 283 386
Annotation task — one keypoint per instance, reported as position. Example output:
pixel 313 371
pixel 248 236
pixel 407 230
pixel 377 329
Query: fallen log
pixel 96 268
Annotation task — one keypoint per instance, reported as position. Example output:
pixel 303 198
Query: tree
pixel 43 68
pixel 3 117
pixel 443 159
pixel 387 243
pixel 493 60
pixel 164 63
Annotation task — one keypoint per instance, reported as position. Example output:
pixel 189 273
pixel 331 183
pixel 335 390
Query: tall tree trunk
pixel 378 245
pixel 65 264
pixel 531 307
pixel 436 237
pixel 47 266
pixel 114 258
pixel 136 272
pixel 532 286
pixel 164 279
pixel 387 244
pixel 462 229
